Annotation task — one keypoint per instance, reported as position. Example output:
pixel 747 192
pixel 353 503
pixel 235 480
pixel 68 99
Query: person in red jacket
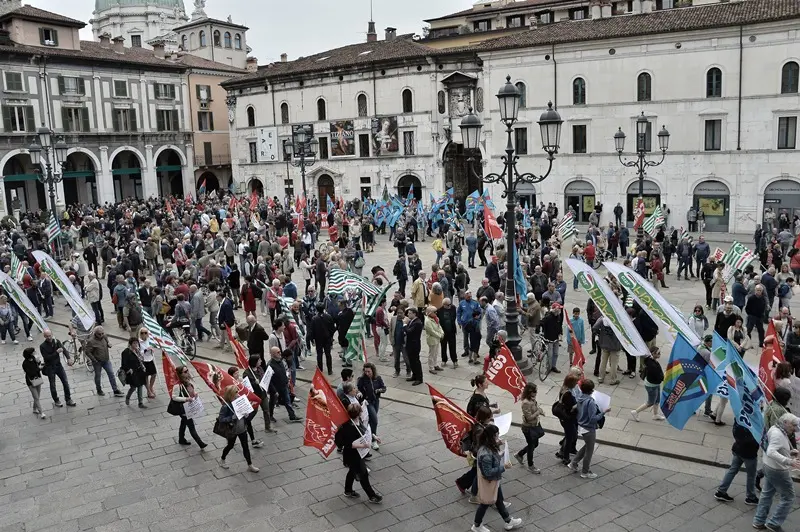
pixel 589 253
pixel 248 295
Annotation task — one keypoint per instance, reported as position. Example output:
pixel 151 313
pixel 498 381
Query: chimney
pixel 372 35
pixel 119 44
pixel 284 58
pixel 647 6
pixel 594 8
pixel 391 33
pixel 105 40
pixel 252 64
pixel 637 7
pixel 158 49
pixel 605 9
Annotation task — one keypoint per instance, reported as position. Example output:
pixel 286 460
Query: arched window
pixel 523 94
pixel 408 101
pixel 237 41
pixel 579 91
pixel 644 87
pixel 714 83
pixel 440 102
pixel 203 42
pixel 361 102
pixel 185 43
pixel 284 113
pixel 789 76
pixel 251 117
pixel 217 41
pixel 322 111
pixel 227 38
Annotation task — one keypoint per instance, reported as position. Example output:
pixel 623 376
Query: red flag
pixel 324 414
pixel 504 373
pixel 168 207
pixel 638 214
pixel 253 201
pixel 241 354
pixel 490 224
pixel 771 356
pixel 303 202
pixel 170 372
pixel 218 380
pixel 270 203
pixel 188 199
pixel 452 422
pixel 577 358
pixel 333 233
pixel 232 203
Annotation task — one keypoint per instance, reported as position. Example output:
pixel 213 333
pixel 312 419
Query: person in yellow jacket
pixel 438 247
pixel 213 226
pixel 433 336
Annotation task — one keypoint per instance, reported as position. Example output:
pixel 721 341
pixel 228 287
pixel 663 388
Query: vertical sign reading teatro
pixel 342 138
pixel 268 145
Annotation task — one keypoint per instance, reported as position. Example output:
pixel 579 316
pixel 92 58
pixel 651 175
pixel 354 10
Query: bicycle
pixel 187 342
pixel 73 349
pixel 603 256
pixel 538 356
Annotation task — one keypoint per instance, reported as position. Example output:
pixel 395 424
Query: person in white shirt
pixel 779 460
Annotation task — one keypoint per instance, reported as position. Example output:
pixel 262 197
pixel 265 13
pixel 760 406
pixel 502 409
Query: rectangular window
pixel 408 142
pixel 253 152
pixel 288 187
pixel 205 120
pixel 71 85
pixel 545 17
pixel 208 153
pixel 18 118
pixel 521 140
pixel 713 135
pixel 204 93
pixel 48 37
pixel 363 145
pixel 167 120
pixel 366 192
pixel 164 91
pixel 323 147
pixel 136 41
pixel 14 82
pixel 787 132
pixel 120 88
pixel 579 13
pixel 482 25
pixel 515 21
pixel 579 138
pixel 124 120
pixel 75 119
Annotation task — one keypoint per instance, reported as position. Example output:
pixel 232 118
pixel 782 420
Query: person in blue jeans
pixel 779 460
pixel 279 386
pixel 51 351
pixel 745 452
pixel 490 467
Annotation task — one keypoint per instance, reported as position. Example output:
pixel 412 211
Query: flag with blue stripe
pixel 330 205
pixel 744 395
pixel 520 284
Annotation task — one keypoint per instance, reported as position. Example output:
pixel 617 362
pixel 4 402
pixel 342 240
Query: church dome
pixel 102 5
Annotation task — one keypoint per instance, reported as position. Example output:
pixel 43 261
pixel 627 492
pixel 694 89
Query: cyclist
pixel 181 317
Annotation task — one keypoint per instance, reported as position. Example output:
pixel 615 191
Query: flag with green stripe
pixel 356 344
pixel 53 229
pixel 654 221
pixel 341 281
pixel 738 256
pixel 374 302
pixel 17 269
pixel 566 228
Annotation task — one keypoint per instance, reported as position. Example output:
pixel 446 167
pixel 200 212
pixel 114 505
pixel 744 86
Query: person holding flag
pixel 182 392
pixel 350 438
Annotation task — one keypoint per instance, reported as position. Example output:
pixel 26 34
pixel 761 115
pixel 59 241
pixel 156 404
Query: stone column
pixel 188 172
pixel 104 178
pixel 149 179
pixel 187 117
pixel 100 112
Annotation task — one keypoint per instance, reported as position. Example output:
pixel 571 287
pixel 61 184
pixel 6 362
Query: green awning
pixel 126 171
pixel 169 168
pixel 21 177
pixel 78 173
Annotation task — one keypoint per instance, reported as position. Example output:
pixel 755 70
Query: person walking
pixel 255 373
pixel 412 330
pixel 447 320
pixel 779 460
pixel 133 367
pixel 234 429
pixel 745 452
pixel 33 378
pixel 349 438
pixel 397 339
pixel 371 387
pixel 51 351
pixel 321 332
pixel 433 337
pixel 8 317
pixel 490 468
pixel 567 413
pixel 234 372
pixel 610 347
pixel 531 428
pixel 590 418
pixel 183 392
pixel 97 350
pixel 478 398
pixel 653 377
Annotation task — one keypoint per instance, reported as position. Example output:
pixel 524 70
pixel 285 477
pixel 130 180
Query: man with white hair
pixel 779 460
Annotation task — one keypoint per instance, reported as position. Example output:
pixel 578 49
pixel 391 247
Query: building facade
pixel 139 21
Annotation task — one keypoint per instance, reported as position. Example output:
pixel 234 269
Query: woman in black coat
pixel 347 439
pixel 133 367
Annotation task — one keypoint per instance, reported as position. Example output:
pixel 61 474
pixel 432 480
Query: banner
pixel 13 290
pixel 745 395
pixel 638 213
pixel 218 380
pixel 267 146
pixel 651 300
pixel 610 306
pixel 324 414
pixel 343 138
pixel 452 422
pixel 504 373
pixel 771 356
pixel 170 372
pixel 384 136
pixel 51 268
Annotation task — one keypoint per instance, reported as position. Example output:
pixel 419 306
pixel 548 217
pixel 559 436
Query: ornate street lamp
pixel 56 158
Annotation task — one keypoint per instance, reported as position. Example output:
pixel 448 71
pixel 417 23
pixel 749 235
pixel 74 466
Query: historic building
pixel 721 76
pixel 139 21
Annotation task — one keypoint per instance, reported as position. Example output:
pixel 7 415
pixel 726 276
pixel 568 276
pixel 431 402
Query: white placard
pixel 241 406
pixel 247 384
pixel 503 423
pixel 603 401
pixel 364 414
pixel 194 409
pixel 506 455
pixel 367 439
pixel 265 380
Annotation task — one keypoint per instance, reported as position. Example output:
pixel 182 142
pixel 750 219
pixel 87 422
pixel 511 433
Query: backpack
pixel 783 290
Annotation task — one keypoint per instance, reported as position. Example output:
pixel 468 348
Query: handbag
pixel 122 376
pixel 225 430
pixel 487 489
pixel 37 381
pixel 175 408
pixel 538 432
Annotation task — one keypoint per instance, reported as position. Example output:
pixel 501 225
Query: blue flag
pixel 688 380
pixel 330 206
pixel 526 220
pixel 410 195
pixel 487 199
pixel 744 395
pixel 520 283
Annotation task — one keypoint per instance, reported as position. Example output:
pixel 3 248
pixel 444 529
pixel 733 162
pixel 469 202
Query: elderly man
pixel 51 351
pixel 97 351
pixel 756 309
pixel 538 282
pixel 552 295
pixel 493 323
pixel 198 303
pixel 485 291
pixel 499 305
pixel 779 460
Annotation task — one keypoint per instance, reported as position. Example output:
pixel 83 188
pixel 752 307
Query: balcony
pixel 214 160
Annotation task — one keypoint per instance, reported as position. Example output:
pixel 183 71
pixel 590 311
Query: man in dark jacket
pixel 447 320
pixel 51 351
pixel 413 334
pixel 756 309
pixel 90 256
pixel 256 338
pixel 279 386
pixel 225 318
pixel 745 451
pixel 321 332
pixel 726 317
pixel 493 274
pixel 647 329
pixel 343 321
pixel 254 373
pixel 770 285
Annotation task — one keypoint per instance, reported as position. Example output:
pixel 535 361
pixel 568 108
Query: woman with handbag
pixel 348 438
pixel 134 371
pixel 184 392
pixel 231 428
pixel 469 446
pixel 531 427
pixel 490 469
pixel 566 410
pixel 371 386
pixel 148 358
pixel 33 378
pixel 234 372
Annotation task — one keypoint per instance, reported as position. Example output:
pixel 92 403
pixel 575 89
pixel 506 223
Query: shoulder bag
pixel 226 430
pixel 487 489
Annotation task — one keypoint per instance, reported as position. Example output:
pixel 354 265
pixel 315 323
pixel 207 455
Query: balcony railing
pixel 214 160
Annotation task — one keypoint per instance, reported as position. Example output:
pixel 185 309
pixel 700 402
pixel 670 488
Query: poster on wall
pixel 650 204
pixel 712 206
pixel 308 129
pixel 268 145
pixel 384 135
pixel 343 138
pixel 588 204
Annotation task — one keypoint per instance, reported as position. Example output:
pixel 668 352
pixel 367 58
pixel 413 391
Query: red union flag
pixel 170 372
pixel 452 422
pixel 577 359
pixel 638 214
pixel 504 373
pixel 218 380
pixel 324 415
pixel 242 358
pixel 771 356
pixel 490 224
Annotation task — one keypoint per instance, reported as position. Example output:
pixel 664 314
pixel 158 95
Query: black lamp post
pixel 550 126
pixel 640 163
pixel 302 154
pixel 53 166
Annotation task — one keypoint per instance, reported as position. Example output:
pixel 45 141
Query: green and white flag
pixel 51 268
pixel 341 281
pixel 738 257
pixel 17 269
pixel 374 302
pixel 654 221
pixel 15 293
pixel 356 344
pixel 685 234
pixel 566 227
pixel 53 229
pixel 162 338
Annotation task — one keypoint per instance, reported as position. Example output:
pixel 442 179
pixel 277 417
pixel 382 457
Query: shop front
pixel 580 195
pixel 782 196
pixel 714 199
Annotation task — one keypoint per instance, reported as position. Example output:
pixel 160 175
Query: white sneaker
pixel 223 465
pixel 253 468
pixel 481 528
pixel 589 475
pixel 513 523
pixel 30 339
pixel 3 342
pixel 16 342
pixel 635 415
pixel 43 415
pixel 572 467
pixel 659 417
pixel 375 446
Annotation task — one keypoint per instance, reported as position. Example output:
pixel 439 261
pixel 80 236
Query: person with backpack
pixel 590 418
pixel 566 410
pixel 784 292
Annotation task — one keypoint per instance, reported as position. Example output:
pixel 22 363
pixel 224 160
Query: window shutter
pixel 176 125
pixel 211 120
pixel 41 36
pixel 85 120
pixel 200 120
pixel 55 36
pixel 6 119
pixel 197 88
pixel 30 122
pixel 81 86
pixel 132 119
pixel 65 119
pixel 160 120
pixel 61 87
pixel 172 92
pixel 115 119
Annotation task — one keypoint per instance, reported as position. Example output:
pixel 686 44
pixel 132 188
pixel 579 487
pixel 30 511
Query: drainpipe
pixel 555 77
pixel 274 119
pixel 741 62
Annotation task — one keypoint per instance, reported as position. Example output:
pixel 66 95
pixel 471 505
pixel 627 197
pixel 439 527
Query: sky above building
pixel 296 27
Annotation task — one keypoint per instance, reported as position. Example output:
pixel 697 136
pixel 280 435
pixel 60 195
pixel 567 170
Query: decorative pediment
pixel 135 30
pixel 317 171
pixel 459 79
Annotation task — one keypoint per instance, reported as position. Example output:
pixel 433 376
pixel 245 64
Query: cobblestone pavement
pixel 107 467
